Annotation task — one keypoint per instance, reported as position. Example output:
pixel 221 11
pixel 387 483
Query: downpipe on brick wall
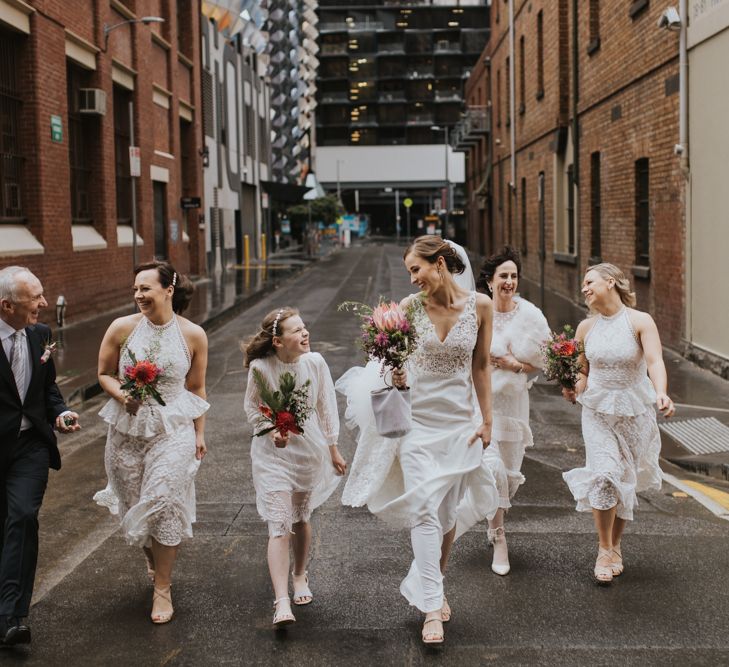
pixel 512 115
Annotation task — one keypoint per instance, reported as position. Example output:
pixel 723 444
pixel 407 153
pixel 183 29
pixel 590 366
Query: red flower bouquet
pixel 284 410
pixel 140 379
pixel 562 358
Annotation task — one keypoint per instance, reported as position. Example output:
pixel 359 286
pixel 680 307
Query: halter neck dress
pixel 622 441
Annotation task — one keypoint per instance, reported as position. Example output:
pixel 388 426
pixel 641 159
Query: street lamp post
pixel 438 128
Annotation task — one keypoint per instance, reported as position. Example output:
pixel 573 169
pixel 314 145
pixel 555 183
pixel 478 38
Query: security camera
pixel 678 149
pixel 670 19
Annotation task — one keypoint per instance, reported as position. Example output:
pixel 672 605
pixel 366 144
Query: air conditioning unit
pixel 92 101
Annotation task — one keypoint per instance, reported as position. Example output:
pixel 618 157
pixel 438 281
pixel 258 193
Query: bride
pixel 437 479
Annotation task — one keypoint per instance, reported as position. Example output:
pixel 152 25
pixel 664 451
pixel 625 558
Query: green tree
pixel 325 209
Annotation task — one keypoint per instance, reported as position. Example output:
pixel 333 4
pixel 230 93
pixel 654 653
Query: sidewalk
pixel 216 299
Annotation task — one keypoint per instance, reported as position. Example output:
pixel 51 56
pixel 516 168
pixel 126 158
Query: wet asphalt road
pixel 671 607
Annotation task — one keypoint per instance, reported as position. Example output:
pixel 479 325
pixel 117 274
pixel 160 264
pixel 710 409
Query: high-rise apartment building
pixel 392 74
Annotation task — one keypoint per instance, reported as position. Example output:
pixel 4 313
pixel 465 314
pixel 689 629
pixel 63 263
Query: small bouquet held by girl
pixel 284 410
pixel 388 337
pixel 562 358
pixel 141 378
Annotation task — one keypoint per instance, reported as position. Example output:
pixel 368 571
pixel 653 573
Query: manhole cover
pixel 705 435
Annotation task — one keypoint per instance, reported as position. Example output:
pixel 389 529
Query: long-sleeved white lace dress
pixel 292 481
pixel 150 457
pixel 622 441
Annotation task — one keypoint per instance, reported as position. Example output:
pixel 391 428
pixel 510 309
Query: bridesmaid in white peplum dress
pixel 622 375
pixel 153 451
pixel 437 480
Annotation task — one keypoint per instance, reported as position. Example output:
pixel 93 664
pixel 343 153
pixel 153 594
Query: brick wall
pixel 97 280
pixel 627 110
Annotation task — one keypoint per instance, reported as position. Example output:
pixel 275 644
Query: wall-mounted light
pixel 205 154
pixel 146 20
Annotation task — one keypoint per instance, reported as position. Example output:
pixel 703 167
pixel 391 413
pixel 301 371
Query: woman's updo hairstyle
pixel 261 345
pixel 168 276
pixel 488 268
pixel 431 247
pixel 622 284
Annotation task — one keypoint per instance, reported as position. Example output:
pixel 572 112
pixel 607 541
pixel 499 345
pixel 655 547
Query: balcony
pixel 474 125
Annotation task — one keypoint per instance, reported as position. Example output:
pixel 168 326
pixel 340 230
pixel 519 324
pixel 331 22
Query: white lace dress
pixel 431 471
pixel 150 457
pixel 521 331
pixel 292 481
pixel 622 441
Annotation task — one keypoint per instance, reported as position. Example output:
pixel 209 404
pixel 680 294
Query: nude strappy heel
pixel 160 617
pixel 284 616
pixel 603 566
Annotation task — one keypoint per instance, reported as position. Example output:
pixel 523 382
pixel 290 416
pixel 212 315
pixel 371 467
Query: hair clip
pixel 174 278
pixel 275 322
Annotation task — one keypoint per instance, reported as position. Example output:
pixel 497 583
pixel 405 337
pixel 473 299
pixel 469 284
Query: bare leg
pixel 301 543
pixel 618 528
pixel 445 548
pixel 164 560
pixel 278 565
pixel 497 535
pixel 604 523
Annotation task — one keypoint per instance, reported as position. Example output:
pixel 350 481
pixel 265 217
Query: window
pixel 642 213
pixel 79 135
pixel 594 19
pixel 263 139
pixel 11 157
pixel 122 136
pixel 523 217
pixel 498 98
pixel 571 210
pixel 187 164
pixel 595 212
pixel 250 131
pixel 507 87
pixel 184 28
pixel 540 55
pixel 522 75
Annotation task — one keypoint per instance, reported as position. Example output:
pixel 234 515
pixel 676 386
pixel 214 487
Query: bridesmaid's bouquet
pixel 562 357
pixel 284 410
pixel 140 379
pixel 388 334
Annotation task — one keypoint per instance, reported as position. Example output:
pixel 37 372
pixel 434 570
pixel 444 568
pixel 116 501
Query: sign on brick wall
pixel 57 129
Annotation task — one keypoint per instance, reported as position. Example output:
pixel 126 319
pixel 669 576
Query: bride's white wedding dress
pixel 431 479
pixel 150 457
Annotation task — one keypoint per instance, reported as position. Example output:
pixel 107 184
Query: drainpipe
pixel 683 89
pixel 576 129
pixel 512 114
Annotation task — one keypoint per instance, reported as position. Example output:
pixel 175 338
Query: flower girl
pixel 291 405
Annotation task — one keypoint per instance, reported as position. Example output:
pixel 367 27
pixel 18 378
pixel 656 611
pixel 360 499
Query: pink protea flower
pixel 389 317
pixel 382 339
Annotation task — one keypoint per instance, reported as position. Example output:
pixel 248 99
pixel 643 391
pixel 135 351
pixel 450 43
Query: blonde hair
pixel 261 345
pixel 622 284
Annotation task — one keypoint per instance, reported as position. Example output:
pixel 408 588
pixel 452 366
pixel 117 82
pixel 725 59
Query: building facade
pixel 74 98
pixel 579 164
pixel 237 128
pixel 706 157
pixel 392 75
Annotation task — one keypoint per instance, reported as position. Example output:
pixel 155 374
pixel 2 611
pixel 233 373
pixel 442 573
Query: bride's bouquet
pixel 140 379
pixel 285 409
pixel 562 357
pixel 389 337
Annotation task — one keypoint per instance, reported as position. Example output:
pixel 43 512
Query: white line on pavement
pixel 711 505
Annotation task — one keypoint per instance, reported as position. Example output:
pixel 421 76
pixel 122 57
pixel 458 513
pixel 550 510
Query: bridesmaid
pixel 622 375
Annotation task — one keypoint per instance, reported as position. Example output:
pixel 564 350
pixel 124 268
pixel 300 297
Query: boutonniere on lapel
pixel 48 350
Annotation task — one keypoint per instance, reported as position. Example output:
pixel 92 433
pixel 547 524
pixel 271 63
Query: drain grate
pixel 704 435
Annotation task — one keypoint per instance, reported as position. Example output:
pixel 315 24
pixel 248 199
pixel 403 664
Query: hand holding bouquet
pixel 140 380
pixel 562 358
pixel 283 410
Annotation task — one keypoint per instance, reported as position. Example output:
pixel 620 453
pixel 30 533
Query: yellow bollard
pixel 246 251
pixel 263 247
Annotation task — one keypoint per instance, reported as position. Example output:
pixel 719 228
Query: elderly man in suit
pixel 30 406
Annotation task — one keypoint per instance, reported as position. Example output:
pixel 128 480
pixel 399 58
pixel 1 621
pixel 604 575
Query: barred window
pixel 642 213
pixel 122 141
pixel 595 207
pixel 79 135
pixel 540 54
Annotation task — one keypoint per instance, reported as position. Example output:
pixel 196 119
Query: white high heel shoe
pixel 497 537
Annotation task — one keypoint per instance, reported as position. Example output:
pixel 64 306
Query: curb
pixel 217 319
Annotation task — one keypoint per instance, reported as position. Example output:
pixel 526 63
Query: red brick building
pixel 591 110
pixel 66 88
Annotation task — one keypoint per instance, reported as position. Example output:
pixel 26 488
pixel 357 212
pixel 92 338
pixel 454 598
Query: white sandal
pixel 282 617
pixel 498 535
pixel 304 592
pixel 603 567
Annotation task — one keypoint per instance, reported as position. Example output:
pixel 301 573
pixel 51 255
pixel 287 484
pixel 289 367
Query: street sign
pixel 135 161
pixel 190 202
pixel 407 202
pixel 56 129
